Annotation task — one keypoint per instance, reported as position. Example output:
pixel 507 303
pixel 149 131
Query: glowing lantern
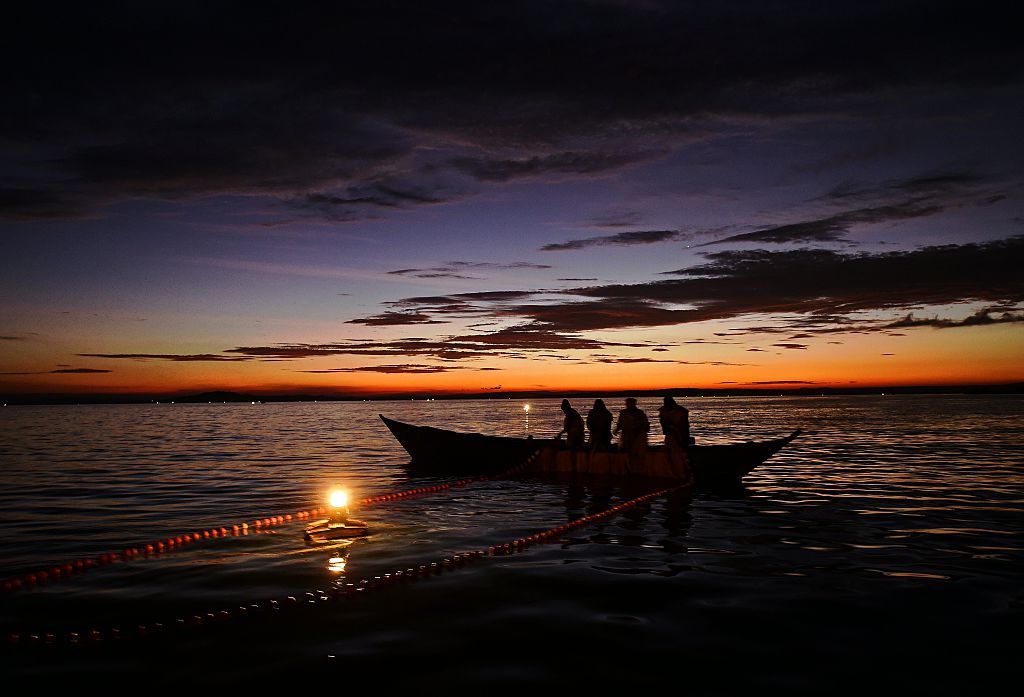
pixel 338 498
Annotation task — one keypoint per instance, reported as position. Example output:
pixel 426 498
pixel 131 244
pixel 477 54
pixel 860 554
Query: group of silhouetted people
pixel 632 426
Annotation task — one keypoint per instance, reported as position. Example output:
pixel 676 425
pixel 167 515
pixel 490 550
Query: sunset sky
pixel 384 197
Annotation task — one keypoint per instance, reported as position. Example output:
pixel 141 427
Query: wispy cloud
pixel 457 269
pixel 621 239
pixel 771 382
pixel 819 324
pixel 978 319
pixel 177 357
pixel 656 360
pixel 279 268
pixel 392 318
pixel 403 368
pixel 887 202
pixel 64 371
pixel 615 219
pixel 586 163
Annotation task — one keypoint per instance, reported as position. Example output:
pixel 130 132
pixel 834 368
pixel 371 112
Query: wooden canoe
pixel 438 450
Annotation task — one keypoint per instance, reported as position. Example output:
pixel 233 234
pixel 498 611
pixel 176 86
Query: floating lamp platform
pixel 339 526
pixel 329 529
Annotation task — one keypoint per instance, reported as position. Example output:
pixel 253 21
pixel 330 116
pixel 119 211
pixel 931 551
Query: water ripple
pixel 900 510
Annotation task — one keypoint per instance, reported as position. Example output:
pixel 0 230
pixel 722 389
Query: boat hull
pixel 441 451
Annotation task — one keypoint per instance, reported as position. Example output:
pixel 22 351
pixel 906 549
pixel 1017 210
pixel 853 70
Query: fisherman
pixel 599 423
pixel 572 427
pixel 633 425
pixel 675 423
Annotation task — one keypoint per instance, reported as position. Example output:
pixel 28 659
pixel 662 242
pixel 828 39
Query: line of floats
pixel 157 548
pixel 314 598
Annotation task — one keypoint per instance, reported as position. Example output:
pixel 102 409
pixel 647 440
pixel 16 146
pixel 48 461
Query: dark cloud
pixel 833 228
pixel 13 338
pixel 306 107
pixel 798 347
pixel 358 202
pixel 811 291
pixel 463 304
pixel 454 269
pixel 597 314
pixel 656 360
pixel 979 318
pixel 890 201
pixel 187 358
pixel 513 342
pixel 492 295
pixel 391 318
pixel 27 205
pixel 495 170
pixel 445 274
pixel 80 370
pixel 824 282
pixel 616 219
pixel 376 195
pixel 775 382
pixel 623 239
pixel 64 371
pixel 632 360
pixel 576 279
pixel 835 324
pixel 928 185
pixel 428 309
pixel 404 368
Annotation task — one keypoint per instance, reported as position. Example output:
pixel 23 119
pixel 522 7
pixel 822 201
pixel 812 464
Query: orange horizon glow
pixel 173 389
pixel 924 357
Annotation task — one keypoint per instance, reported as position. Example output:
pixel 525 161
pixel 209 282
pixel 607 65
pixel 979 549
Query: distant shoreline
pixel 226 396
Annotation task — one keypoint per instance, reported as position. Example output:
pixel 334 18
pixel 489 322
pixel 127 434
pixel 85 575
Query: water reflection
pixel 336 553
pixel 915 519
pixel 594 496
pixel 337 563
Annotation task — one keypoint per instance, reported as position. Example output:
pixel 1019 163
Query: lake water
pixel 882 550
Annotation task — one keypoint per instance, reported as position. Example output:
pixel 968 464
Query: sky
pixel 381 197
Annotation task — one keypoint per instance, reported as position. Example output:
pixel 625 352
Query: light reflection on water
pixel 889 512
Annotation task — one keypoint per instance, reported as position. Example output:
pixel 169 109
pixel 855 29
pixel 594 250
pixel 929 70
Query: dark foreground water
pixel 880 551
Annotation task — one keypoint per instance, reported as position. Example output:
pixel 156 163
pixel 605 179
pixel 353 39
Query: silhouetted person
pixel 633 427
pixel 675 423
pixel 599 423
pixel 572 427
